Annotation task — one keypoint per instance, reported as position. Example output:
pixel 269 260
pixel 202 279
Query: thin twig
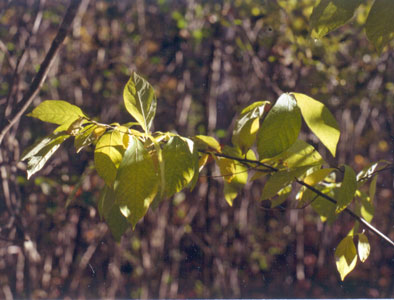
pixel 42 73
pixel 332 200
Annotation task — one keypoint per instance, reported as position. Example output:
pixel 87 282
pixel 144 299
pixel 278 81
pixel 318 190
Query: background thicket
pixel 206 60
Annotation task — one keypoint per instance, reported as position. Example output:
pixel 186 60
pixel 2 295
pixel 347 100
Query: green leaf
pixel 247 125
pixel 204 142
pixel 331 14
pixel 179 164
pixel 318 176
pixel 226 167
pixel 109 153
pixel 85 137
pixel 57 112
pixel 283 194
pixel 299 154
pixel 241 171
pixel 110 211
pixel 346 256
pixel 319 120
pixel 324 208
pixel 279 180
pixel 363 247
pixel 380 26
pixel 367 209
pixel 136 182
pixel 230 193
pixel 140 100
pixel 280 128
pixel 347 190
pixel 38 154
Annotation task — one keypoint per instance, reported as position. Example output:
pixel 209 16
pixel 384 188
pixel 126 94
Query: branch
pixel 42 73
pixel 332 200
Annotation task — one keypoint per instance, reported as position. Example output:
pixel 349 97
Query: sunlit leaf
pixel 140 100
pixel 346 256
pixel 317 176
pixel 109 153
pixel 320 121
pixel 179 161
pixel 283 194
pixel 57 112
pixel 241 171
pixel 38 154
pixel 247 125
pixel 85 137
pixel 226 167
pixel 136 182
pixel 331 14
pixel 279 180
pixel 110 212
pixel 347 190
pixel 323 207
pixel 380 26
pixel 280 128
pixel 204 142
pixel 230 193
pixel 363 247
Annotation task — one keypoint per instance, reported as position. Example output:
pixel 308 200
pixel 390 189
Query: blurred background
pixel 206 60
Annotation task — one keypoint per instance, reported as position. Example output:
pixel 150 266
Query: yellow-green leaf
pixel 331 14
pixel 204 142
pixel 317 176
pixel 140 100
pixel 110 211
pixel 280 128
pixel 85 137
pixel 363 247
pixel 38 154
pixel 247 125
pixel 230 193
pixel 136 182
pixel 279 180
pixel 108 154
pixel 380 26
pixel 226 167
pixel 347 190
pixel 319 120
pixel 322 206
pixel 283 194
pixel 346 256
pixel 179 164
pixel 57 112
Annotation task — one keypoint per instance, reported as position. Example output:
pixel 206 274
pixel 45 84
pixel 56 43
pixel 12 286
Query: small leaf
pixel 179 164
pixel 331 14
pixel 110 211
pixel 57 112
pixel 38 154
pixel 319 120
pixel 140 100
pixel 280 128
pixel 279 180
pixel 226 167
pixel 283 194
pixel 230 193
pixel 317 176
pixel 347 190
pixel 346 256
pixel 109 153
pixel 241 171
pixel 85 137
pixel 136 182
pixel 379 26
pixel 363 247
pixel 204 142
pixel 324 208
pixel 247 125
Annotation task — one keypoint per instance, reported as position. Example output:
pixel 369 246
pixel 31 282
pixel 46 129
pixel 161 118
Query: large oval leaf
pixel 247 125
pixel 179 164
pixel 347 190
pixel 57 112
pixel 346 256
pixel 319 120
pixel 331 14
pixel 109 153
pixel 380 26
pixel 280 128
pixel 140 100
pixel 136 181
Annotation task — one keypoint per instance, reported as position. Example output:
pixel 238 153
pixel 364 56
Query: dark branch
pixel 42 73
